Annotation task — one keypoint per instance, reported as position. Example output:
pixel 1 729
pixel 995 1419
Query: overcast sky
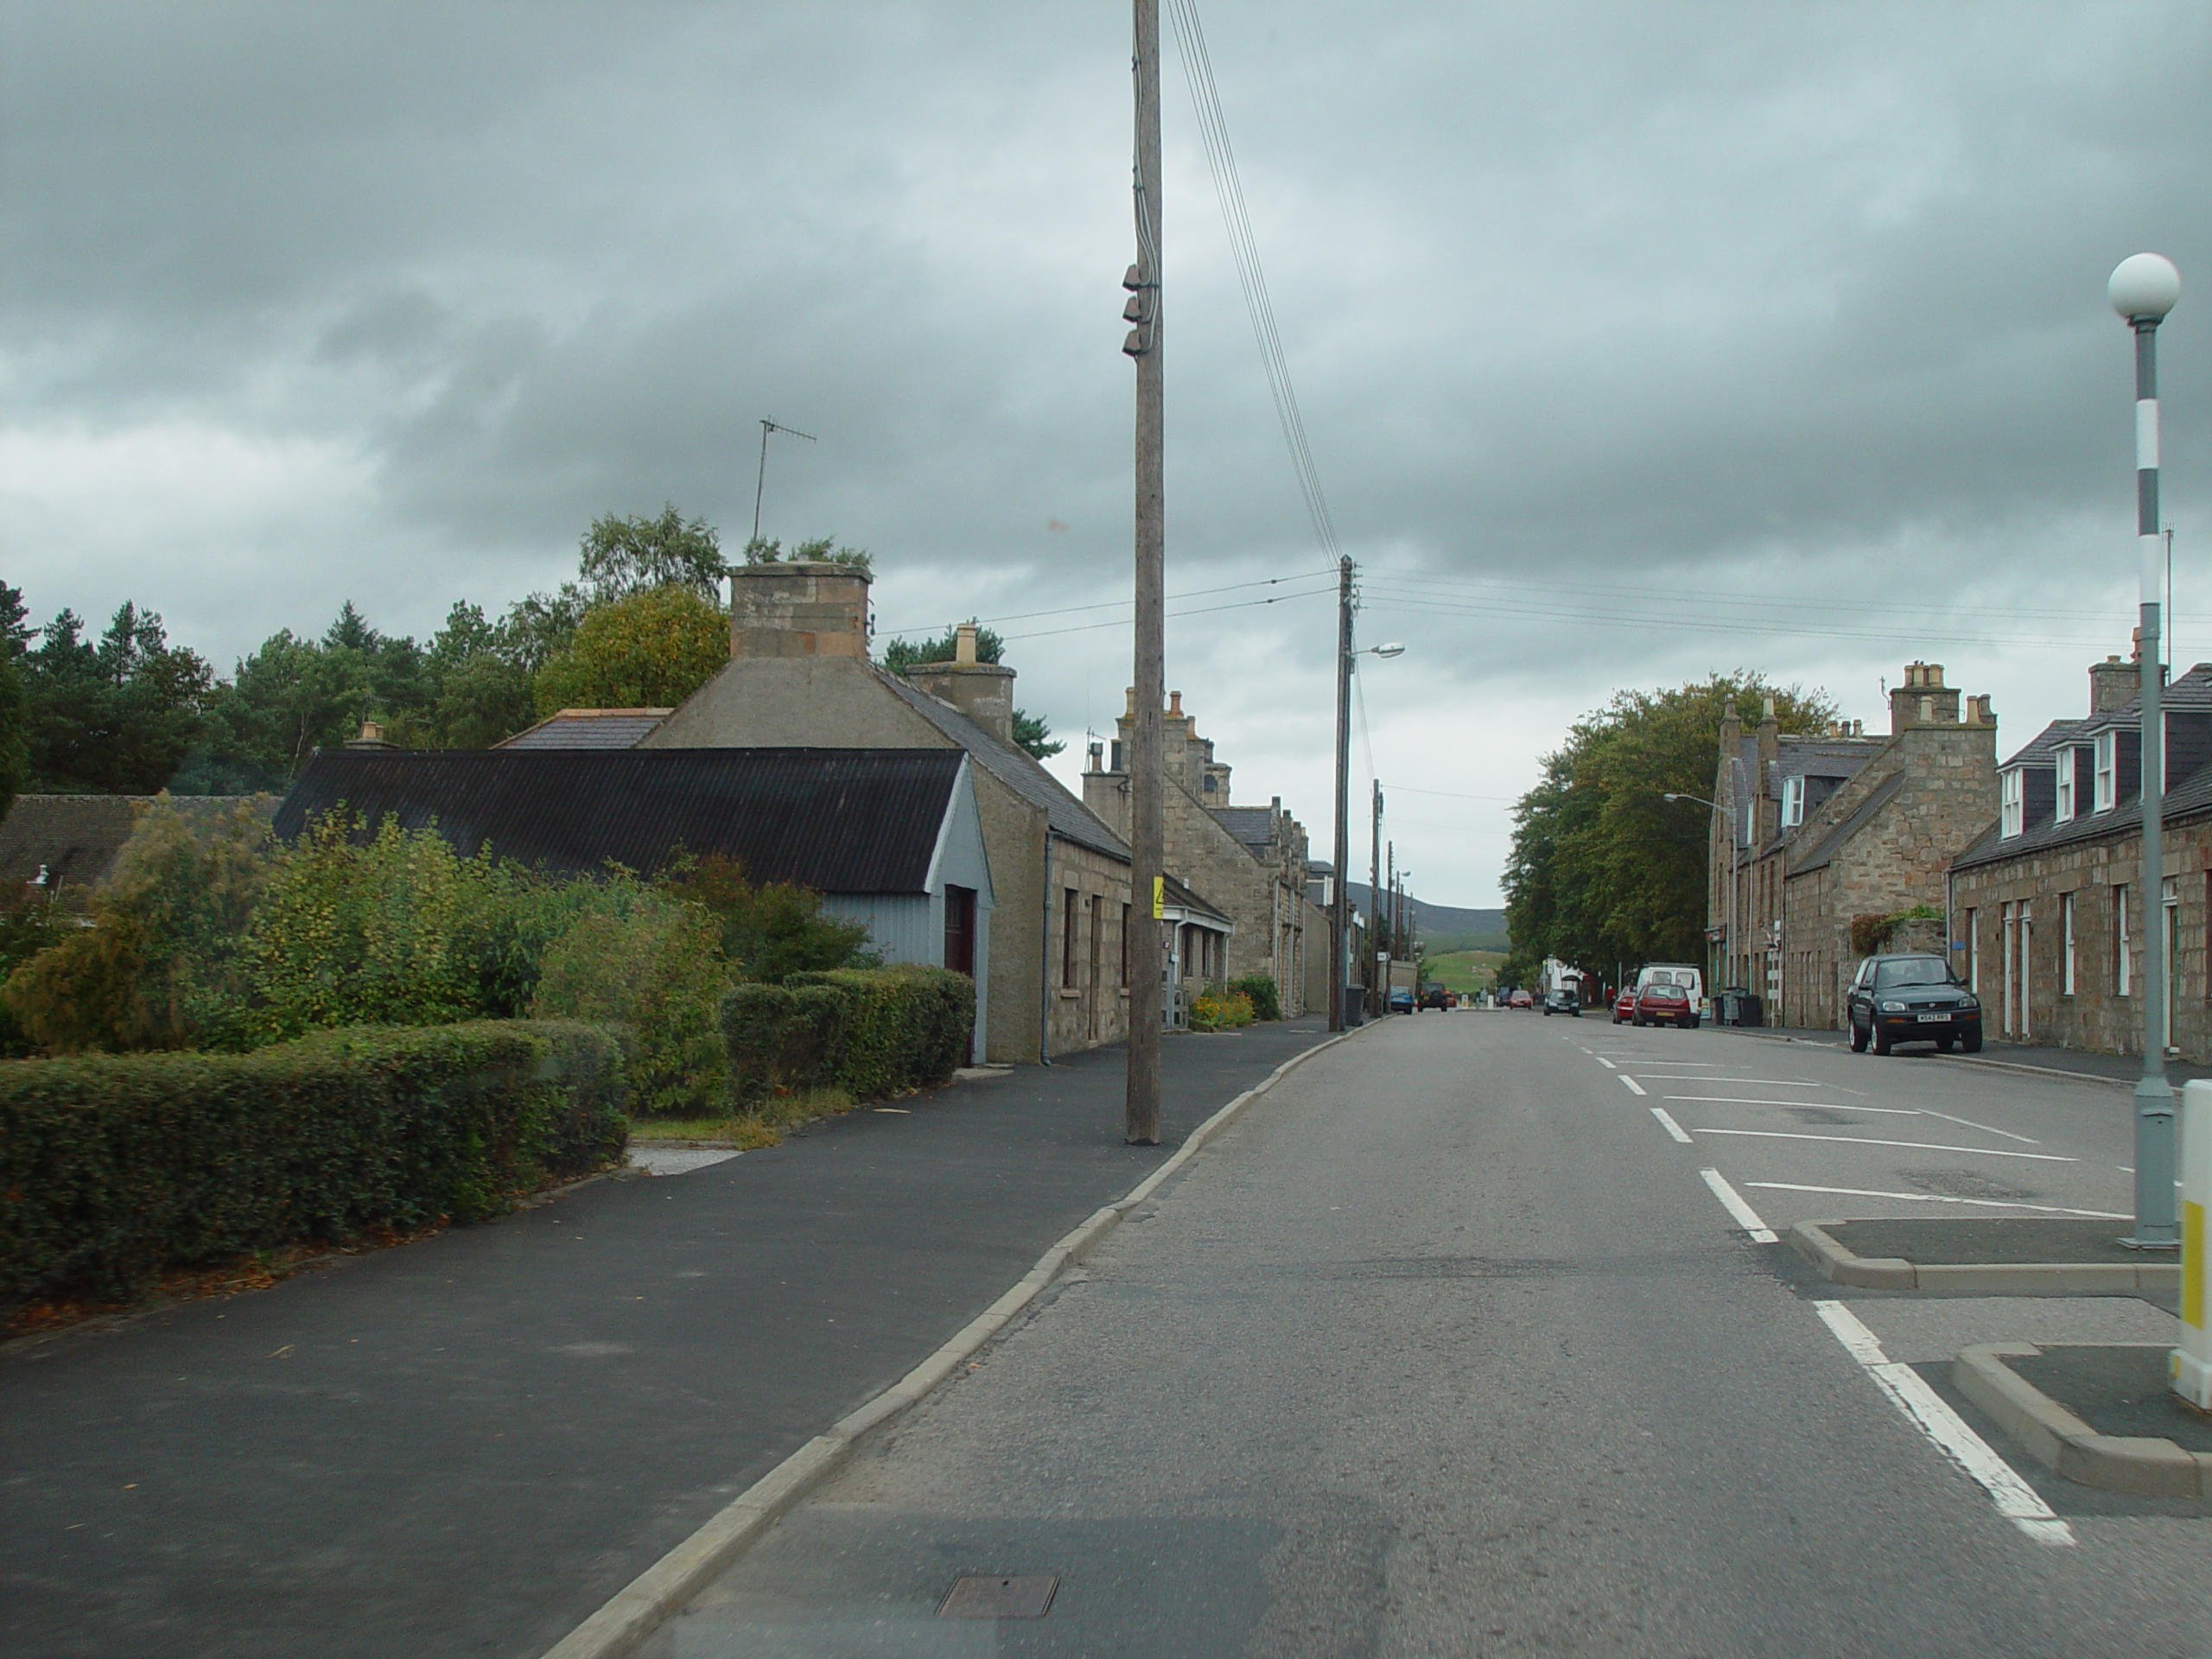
pixel 1634 341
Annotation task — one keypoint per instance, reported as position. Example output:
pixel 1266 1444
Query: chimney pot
pixel 963 643
pixel 1174 703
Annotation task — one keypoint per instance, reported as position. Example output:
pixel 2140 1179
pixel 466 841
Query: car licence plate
pixel 1926 1018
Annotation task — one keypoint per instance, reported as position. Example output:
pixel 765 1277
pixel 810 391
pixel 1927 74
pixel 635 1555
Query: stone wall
pixel 2094 1014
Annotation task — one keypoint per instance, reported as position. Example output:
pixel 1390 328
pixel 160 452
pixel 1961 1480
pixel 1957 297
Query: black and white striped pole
pixel 2143 290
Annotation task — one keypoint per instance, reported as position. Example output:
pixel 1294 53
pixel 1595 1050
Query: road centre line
pixel 2016 1500
pixel 1984 1127
pixel 1916 1146
pixel 1934 1198
pixel 1738 1100
pixel 1634 1087
pixel 1667 1122
pixel 1745 1217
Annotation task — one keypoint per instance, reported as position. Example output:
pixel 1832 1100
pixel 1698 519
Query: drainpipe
pixel 1045 959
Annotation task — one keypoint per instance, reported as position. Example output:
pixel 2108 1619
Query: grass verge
pixel 749 1131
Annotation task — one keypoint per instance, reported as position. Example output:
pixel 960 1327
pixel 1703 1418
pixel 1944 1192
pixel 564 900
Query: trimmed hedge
pixel 871 1032
pixel 115 1167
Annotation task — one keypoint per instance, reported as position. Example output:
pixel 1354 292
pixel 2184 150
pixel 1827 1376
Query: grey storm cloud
pixel 386 302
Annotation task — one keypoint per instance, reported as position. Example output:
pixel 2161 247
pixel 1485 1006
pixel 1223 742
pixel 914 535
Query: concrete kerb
pixel 2063 1442
pixel 1836 1262
pixel 639 1609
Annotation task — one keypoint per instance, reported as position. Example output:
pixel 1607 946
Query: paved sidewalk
pixel 2072 1062
pixel 464 1446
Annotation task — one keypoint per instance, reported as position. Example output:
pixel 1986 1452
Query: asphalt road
pixel 1448 1347
pixel 463 1446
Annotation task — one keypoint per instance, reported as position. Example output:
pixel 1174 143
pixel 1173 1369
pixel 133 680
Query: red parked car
pixel 1665 1005
pixel 1625 1006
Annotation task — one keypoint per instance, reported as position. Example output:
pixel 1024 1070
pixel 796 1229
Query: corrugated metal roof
pixel 589 728
pixel 834 820
pixel 1068 818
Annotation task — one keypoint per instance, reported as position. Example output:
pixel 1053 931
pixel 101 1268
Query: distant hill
pixel 1448 927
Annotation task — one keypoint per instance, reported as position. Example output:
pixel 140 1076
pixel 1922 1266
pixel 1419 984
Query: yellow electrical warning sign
pixel 1159 897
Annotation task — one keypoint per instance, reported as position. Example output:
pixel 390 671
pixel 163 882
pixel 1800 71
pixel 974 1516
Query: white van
pixel 1674 972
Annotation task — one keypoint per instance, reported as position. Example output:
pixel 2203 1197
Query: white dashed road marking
pixel 1732 1202
pixel 1923 1408
pixel 1934 1198
pixel 1668 1123
pixel 1634 1087
pixel 1865 1141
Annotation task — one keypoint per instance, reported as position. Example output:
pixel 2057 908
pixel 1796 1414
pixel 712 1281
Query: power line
pixel 1202 610
pixel 1102 604
pixel 1244 249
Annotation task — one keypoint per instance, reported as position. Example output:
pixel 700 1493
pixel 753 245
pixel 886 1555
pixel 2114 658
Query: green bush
pixel 114 1169
pixel 1260 990
pixel 159 967
pixel 1215 1011
pixel 868 1031
pixel 652 969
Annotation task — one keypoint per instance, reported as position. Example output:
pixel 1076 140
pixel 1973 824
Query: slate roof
pixel 1018 770
pixel 589 728
pixel 835 820
pixel 1253 825
pixel 2190 690
pixel 2191 798
pixel 1176 893
pixel 1827 847
pixel 76 838
pixel 2043 750
pixel 1823 757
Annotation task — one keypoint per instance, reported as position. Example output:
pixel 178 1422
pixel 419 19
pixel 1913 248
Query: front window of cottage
pixel 2066 944
pixel 1792 801
pixel 2122 978
pixel 2010 802
pixel 2108 771
pixel 2063 809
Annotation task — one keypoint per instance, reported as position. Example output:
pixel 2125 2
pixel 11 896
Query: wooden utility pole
pixel 1140 1112
pixel 1339 929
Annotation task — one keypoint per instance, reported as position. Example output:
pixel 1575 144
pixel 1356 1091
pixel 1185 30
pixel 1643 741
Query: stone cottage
pixel 1250 860
pixel 2046 904
pixel 1815 830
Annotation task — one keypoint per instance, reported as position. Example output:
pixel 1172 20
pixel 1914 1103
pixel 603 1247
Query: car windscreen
pixel 1911 971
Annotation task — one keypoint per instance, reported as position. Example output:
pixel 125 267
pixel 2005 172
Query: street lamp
pixel 2144 287
pixel 1728 949
pixel 1339 929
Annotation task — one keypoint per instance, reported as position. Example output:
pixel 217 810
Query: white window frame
pixel 1793 800
pixel 2063 793
pixel 2108 764
pixel 2123 966
pixel 2066 944
pixel 2012 802
pixel 1974 954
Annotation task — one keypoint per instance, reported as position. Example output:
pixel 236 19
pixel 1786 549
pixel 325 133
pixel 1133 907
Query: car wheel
pixel 1970 1042
pixel 1881 1038
pixel 1857 1038
pixel 1945 1044
pixel 1690 1024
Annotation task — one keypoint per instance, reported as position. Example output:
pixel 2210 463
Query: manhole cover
pixel 995 1598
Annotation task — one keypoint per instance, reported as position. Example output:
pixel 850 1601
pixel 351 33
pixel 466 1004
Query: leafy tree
pixel 621 556
pixel 115 716
pixel 14 748
pixel 822 549
pixel 159 966
pixel 651 650
pixel 480 693
pixel 1030 733
pixel 1604 869
pixel 769 930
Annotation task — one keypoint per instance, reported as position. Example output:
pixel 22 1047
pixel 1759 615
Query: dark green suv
pixel 1911 999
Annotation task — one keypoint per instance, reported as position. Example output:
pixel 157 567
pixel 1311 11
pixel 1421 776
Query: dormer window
pixel 2108 764
pixel 2063 803
pixel 2012 801
pixel 1792 801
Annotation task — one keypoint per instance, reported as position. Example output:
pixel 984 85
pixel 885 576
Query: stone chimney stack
pixel 809 609
pixel 982 691
pixel 1922 699
pixel 2112 682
